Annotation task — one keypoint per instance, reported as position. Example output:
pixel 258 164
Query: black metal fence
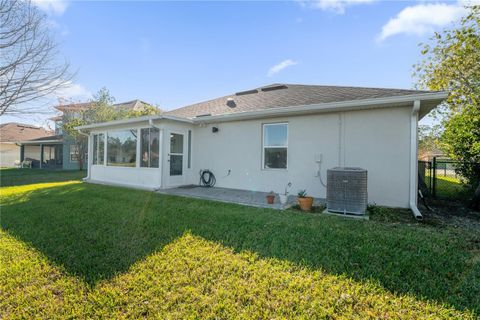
pixel 439 178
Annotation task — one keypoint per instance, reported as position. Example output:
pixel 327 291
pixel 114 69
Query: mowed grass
pixel 78 250
pixel 451 188
pixel 16 177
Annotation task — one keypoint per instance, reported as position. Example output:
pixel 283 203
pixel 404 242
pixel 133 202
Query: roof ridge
pixel 351 87
pixel 18 124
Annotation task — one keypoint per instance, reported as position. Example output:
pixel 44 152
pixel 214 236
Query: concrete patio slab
pixel 243 197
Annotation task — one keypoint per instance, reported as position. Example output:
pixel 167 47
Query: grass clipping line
pixel 195 278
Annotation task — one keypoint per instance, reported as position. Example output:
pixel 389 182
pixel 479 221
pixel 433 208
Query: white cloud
pixel 73 91
pixel 56 27
pixel 55 7
pixel 279 67
pixel 337 6
pixel 422 19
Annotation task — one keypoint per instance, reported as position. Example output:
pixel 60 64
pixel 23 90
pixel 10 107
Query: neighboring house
pixel 59 151
pixel 10 134
pixel 261 139
pixel 428 155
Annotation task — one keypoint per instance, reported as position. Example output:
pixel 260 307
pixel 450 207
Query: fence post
pixel 434 177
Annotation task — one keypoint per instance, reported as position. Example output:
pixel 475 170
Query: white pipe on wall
pixel 413 160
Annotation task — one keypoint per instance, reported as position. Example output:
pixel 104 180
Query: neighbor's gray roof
pixel 285 95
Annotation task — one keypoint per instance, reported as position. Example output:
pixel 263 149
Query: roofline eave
pixel 133 120
pixel 431 98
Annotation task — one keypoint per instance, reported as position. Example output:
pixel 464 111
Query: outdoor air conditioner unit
pixel 347 190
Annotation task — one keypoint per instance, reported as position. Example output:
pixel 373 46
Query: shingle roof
pixel 129 105
pixel 284 95
pixel 12 132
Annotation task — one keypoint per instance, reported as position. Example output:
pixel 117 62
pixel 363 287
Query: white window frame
pixel 70 153
pixel 139 142
pixel 97 151
pixel 137 149
pixel 264 125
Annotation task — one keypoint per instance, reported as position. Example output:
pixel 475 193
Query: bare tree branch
pixel 29 69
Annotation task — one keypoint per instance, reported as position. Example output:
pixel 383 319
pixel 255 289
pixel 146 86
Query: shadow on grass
pixel 18 177
pixel 96 232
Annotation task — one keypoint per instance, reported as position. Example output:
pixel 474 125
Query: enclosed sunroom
pixel 151 152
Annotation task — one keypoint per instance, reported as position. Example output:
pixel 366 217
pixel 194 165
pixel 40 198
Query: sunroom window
pixel 275 145
pixel 122 148
pixel 149 148
pixel 98 148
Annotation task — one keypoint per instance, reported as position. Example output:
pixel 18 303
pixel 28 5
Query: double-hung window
pixel 73 153
pixel 98 148
pixel 275 145
pixel 149 148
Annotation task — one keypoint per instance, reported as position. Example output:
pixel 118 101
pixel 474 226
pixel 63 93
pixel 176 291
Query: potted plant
pixel 305 202
pixel 270 197
pixel 284 196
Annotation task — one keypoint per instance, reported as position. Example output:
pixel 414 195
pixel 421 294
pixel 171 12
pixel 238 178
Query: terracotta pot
pixel 270 198
pixel 305 203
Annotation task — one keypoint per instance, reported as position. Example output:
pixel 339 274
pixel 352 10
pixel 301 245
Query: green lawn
pixel 448 187
pixel 16 177
pixel 77 250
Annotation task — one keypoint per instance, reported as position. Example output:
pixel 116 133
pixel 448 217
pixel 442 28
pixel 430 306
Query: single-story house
pixel 263 138
pixel 11 152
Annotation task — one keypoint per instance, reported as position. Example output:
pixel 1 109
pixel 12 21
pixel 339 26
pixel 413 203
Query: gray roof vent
pixel 241 93
pixel 231 103
pixel 203 115
pixel 274 87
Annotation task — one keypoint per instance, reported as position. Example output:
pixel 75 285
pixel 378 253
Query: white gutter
pixel 133 120
pixel 414 161
pixel 88 153
pixel 29 142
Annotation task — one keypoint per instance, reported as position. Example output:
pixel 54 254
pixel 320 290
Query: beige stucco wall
pixel 9 153
pixel 377 140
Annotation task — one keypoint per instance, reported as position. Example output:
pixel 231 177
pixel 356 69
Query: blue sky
pixel 177 53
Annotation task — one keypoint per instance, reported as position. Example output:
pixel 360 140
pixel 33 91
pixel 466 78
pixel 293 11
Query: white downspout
pixel 89 154
pixel 414 160
pixel 160 151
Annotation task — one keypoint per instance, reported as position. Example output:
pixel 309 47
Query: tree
pixel 429 142
pixel 452 64
pixel 29 68
pixel 101 109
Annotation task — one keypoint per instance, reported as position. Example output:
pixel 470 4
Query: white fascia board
pixel 131 121
pixel 39 142
pixel 117 122
pixel 395 101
